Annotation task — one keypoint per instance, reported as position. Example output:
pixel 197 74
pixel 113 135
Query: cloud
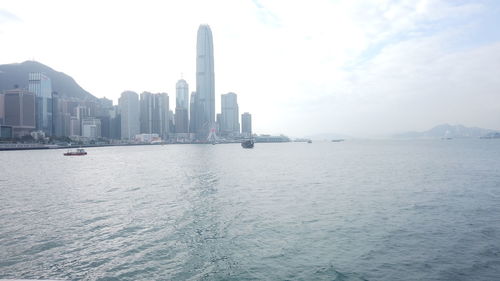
pixel 406 75
pixel 6 16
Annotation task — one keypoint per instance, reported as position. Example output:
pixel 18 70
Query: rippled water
pixel 357 210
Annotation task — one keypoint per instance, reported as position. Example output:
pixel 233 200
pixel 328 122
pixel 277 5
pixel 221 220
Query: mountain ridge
pixel 447 131
pixel 17 74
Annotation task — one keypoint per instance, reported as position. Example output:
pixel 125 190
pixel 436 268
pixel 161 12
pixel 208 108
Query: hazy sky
pixel 363 68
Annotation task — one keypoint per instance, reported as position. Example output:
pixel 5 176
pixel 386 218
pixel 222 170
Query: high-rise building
pixel 154 114
pixel 246 124
pixel 115 123
pixel 171 124
pixel 19 111
pixel 205 82
pixel 218 122
pixel 63 109
pixel 41 86
pixel 56 114
pixel 181 121
pixel 146 117
pixel 164 115
pixel 182 94
pixel 91 128
pixel 129 108
pixel 230 125
pixel 105 103
pixel 192 113
pixel 2 109
pixel 182 107
pixel 75 126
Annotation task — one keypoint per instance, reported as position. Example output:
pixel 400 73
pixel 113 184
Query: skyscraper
pixel 146 113
pixel 182 107
pixel 182 94
pixel 41 86
pixel 129 108
pixel 246 124
pixel 205 83
pixel 230 125
pixel 2 107
pixel 20 111
pixel 192 113
pixel 161 115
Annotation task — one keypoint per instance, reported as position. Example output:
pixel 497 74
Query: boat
pixel 78 152
pixel 309 141
pixel 337 140
pixel 247 144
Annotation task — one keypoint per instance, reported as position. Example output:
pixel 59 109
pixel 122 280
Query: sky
pixel 301 68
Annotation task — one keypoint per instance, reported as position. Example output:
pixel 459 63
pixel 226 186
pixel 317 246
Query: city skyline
pixel 363 69
pixel 145 118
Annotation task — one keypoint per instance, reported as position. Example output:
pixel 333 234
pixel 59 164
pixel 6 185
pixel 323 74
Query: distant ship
pixel 309 141
pixel 337 140
pixel 247 144
pixel 78 152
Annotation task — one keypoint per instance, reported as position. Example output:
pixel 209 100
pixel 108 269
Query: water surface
pixel 356 210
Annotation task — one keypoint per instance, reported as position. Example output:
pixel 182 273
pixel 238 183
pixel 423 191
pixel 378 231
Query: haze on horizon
pixel 361 68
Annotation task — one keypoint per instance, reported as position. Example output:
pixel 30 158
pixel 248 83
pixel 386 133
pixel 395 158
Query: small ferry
pixel 78 152
pixel 247 144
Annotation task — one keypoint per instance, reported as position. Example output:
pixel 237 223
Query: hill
pixel 17 74
pixel 448 131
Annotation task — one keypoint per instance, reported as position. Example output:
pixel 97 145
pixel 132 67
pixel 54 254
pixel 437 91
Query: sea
pixel 352 210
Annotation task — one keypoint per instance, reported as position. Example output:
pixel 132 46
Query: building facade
pixel 230 125
pixel 91 128
pixel 41 86
pixel 192 113
pixel 246 124
pixel 2 108
pixel 129 109
pixel 205 82
pixel 181 107
pixel 19 111
pixel 146 113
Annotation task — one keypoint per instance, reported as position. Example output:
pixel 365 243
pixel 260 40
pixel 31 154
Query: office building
pixel 230 125
pixel 205 82
pixel 41 86
pixel 2 115
pixel 182 107
pixel 164 114
pixel 129 108
pixel 146 113
pixel 19 111
pixel 154 114
pixel 246 124
pixel 192 113
pixel 74 127
pixel 91 128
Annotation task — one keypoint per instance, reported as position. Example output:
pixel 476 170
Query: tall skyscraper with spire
pixel 205 82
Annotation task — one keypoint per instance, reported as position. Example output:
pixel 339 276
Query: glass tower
pixel 41 86
pixel 205 85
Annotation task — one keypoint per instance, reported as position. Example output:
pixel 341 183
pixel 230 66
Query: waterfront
pixel 355 210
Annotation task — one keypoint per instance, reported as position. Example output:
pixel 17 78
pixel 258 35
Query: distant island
pixel 447 131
